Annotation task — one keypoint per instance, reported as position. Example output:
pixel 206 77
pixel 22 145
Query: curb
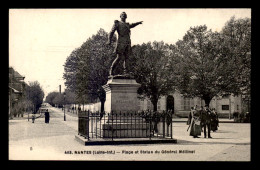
pixel 121 141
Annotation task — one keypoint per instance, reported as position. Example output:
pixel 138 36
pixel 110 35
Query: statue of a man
pixel 123 46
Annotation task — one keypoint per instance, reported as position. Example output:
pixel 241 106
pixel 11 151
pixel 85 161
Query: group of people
pixel 204 120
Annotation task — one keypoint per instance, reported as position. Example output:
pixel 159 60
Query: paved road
pixel 40 141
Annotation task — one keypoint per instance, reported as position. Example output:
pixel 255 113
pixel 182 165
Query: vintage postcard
pixel 145 84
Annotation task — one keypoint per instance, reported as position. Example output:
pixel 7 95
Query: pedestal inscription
pixel 121 95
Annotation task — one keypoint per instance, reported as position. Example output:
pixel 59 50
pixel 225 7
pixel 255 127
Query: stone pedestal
pixel 121 94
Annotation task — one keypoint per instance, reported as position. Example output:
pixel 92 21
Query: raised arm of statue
pixel 135 24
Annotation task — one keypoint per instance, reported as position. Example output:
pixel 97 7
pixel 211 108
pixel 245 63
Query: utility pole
pixel 64 106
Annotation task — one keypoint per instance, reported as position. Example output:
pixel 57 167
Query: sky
pixel 40 40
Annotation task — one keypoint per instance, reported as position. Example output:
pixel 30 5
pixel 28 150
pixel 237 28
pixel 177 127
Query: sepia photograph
pixel 129 84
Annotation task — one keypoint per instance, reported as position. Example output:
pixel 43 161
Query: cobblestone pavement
pixel 56 141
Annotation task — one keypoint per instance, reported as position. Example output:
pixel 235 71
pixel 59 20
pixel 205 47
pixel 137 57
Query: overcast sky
pixel 40 40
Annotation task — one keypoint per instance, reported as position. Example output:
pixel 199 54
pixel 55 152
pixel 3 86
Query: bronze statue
pixel 123 46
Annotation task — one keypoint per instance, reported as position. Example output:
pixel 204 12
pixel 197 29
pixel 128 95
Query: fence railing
pixel 146 124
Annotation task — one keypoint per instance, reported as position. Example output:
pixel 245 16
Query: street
pixel 56 141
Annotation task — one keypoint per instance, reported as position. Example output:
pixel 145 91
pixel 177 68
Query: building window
pixel 237 107
pixel 225 107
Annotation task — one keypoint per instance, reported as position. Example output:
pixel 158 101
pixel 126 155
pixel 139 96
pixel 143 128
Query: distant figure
pixel 33 118
pixel 189 117
pixel 47 116
pixel 214 120
pixel 195 128
pixel 206 121
pixel 123 46
pixel 242 116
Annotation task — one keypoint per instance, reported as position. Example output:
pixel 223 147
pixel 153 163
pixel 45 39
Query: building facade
pixel 16 89
pixel 225 106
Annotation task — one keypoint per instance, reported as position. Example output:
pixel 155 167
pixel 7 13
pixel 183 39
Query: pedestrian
pixel 156 120
pixel 241 116
pixel 195 128
pixel 214 120
pixel 189 117
pixel 33 118
pixel 205 121
pixel 47 116
pixel 200 112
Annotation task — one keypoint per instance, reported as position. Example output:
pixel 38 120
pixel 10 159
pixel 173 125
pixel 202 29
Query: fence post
pixel 164 115
pixel 100 123
pixel 116 125
pixel 78 124
pixel 96 123
pixel 87 124
pixel 150 122
pixel 126 119
pixel 131 125
pixel 112 126
pixel 104 129
pixel 171 125
pixel 120 131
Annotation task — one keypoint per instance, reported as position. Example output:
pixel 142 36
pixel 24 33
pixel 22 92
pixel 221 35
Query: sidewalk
pixel 41 141
pixel 25 116
pixel 221 120
pixel 175 119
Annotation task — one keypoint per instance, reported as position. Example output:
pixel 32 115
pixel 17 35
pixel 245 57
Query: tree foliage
pixel 35 94
pixel 87 68
pixel 152 70
pixel 50 98
pixel 212 63
pixel 237 45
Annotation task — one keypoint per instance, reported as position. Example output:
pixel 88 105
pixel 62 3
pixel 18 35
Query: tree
pixel 70 97
pixel 87 68
pixel 59 100
pixel 205 67
pixel 152 70
pixel 35 94
pixel 237 45
pixel 50 98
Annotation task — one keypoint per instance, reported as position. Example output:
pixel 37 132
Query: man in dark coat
pixel 206 120
pixel 47 116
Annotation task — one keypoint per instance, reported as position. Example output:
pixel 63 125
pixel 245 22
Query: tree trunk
pixel 102 105
pixel 155 104
pixel 207 100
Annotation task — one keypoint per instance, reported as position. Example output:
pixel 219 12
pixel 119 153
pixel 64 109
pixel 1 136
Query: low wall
pixel 93 107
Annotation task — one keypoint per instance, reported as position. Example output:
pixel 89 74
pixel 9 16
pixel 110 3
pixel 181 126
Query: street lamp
pixel 64 106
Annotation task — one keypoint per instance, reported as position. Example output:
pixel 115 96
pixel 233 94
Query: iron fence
pixel 145 124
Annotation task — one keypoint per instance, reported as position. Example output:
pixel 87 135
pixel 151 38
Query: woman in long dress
pixel 215 121
pixel 195 129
